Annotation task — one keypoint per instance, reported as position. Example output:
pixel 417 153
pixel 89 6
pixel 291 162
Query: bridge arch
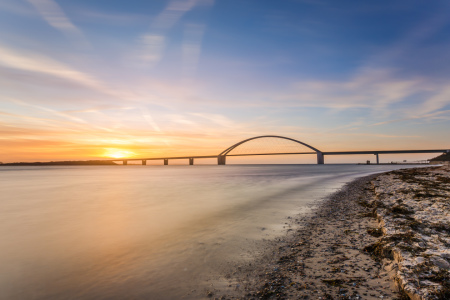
pixel 222 156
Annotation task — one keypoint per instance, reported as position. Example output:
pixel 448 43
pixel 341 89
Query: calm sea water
pixel 146 232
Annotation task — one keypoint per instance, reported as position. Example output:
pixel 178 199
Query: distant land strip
pixel 439 159
pixel 63 163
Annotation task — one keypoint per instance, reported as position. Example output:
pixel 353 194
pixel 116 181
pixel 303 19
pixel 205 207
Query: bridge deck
pixel 375 152
pixel 383 152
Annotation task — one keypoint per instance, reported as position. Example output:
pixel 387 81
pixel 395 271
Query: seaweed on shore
pixel 441 227
pixel 443 179
pixel 444 278
pixel 375 232
pixel 383 248
pixel 379 250
pixel 425 271
pixel 401 210
pixel 334 282
pixel 411 223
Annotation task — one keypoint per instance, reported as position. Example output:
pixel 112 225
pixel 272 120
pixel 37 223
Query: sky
pixel 95 79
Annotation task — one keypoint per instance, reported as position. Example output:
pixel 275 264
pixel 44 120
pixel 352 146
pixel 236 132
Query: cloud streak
pixel 172 13
pixel 49 110
pixel 153 43
pixel 440 115
pixel 148 117
pixel 371 88
pixel 40 64
pixel 192 46
pixel 53 14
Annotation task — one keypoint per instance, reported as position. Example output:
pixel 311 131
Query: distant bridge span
pixel 223 154
pixel 221 158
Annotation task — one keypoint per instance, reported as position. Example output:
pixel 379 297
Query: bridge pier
pixel 144 162
pixel 320 158
pixel 125 162
pixel 191 161
pixel 166 161
pixel 221 160
pixel 378 159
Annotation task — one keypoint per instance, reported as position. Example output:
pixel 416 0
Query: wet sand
pixel 323 258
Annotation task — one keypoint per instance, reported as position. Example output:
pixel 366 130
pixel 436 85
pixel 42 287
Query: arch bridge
pixel 231 151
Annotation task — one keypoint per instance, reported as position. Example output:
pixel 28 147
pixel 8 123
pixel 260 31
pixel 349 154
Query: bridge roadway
pixel 221 159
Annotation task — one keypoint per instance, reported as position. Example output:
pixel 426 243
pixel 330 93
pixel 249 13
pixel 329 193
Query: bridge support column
pixel 191 161
pixel 144 162
pixel 320 158
pixel 125 162
pixel 378 159
pixel 221 160
pixel 166 161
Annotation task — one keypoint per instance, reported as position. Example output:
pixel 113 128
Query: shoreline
pixel 331 254
pixel 112 163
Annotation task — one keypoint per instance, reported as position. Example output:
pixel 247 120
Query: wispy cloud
pixel 53 14
pixel 437 101
pixel 380 93
pixel 98 109
pixel 152 48
pixel 439 115
pixel 172 13
pixel 16 7
pixel 39 116
pixel 381 84
pixel 49 110
pixel 153 43
pixel 39 65
pixel 409 41
pixel 192 46
pixel 112 19
pixel 148 117
pixel 216 119
pixel 371 88
pixel 30 61
pixel 32 122
pixel 366 134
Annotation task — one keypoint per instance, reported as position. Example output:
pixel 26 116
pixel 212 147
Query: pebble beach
pixel 384 236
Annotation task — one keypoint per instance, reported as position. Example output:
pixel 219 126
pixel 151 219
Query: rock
pixel 429 283
pixel 441 263
pixel 446 255
pixel 419 260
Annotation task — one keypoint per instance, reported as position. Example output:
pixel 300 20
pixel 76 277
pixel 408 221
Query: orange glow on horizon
pixel 118 153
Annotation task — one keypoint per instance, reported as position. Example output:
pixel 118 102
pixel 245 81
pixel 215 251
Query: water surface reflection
pixel 115 232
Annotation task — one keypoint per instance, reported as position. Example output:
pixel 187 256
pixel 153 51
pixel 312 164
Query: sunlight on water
pixel 116 232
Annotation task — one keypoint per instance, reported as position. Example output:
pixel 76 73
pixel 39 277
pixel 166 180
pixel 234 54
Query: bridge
pixel 232 151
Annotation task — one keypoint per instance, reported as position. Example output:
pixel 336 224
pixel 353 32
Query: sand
pixel 327 256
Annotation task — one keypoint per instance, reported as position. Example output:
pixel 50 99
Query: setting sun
pixel 118 153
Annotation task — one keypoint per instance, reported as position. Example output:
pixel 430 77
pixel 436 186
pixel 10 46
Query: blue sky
pixel 84 79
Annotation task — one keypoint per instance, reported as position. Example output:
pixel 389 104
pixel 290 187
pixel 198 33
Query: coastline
pixel 349 247
pixel 61 163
